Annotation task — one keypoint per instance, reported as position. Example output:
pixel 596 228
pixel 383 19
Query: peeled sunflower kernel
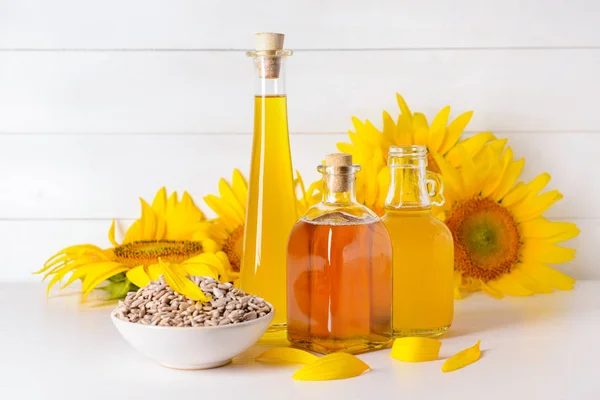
pixel 332 366
pixel 415 349
pixel 286 355
pixel 462 358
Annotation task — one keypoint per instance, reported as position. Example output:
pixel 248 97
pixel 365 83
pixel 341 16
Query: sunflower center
pixel 486 239
pixel 145 252
pixel 233 247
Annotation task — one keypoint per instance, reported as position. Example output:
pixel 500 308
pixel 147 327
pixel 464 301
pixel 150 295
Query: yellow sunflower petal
pixel 227 273
pixel 404 109
pixel 90 283
pixel 510 176
pixel 452 178
pixel 389 127
pixel 286 355
pixel 404 130
pixel 437 131
pixel 148 231
pixel 415 349
pixel 52 266
pixel 330 367
pixel 509 285
pixel 82 271
pixel 111 234
pixel 198 270
pixel 533 207
pixel 228 195
pixel 76 249
pixel 498 163
pixel 462 358
pixel 210 246
pixel 521 191
pixel 550 231
pixel 159 204
pixel 495 293
pixel 240 187
pixel 345 147
pixel 529 282
pixel 542 251
pixel 454 131
pixel 154 271
pixel 472 145
pixel 134 233
pixel 548 276
pixel 181 284
pixel 138 276
pixel 224 211
pixel 62 271
pixel 421 129
pixel 471 181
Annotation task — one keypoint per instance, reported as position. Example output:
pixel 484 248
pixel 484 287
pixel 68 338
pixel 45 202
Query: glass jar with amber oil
pixel 423 303
pixel 339 270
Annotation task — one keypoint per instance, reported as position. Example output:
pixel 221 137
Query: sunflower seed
pixel 250 316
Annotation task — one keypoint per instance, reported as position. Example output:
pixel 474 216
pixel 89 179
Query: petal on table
pixel 332 366
pixel 286 355
pixel 462 358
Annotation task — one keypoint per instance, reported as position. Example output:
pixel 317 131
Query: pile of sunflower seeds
pixel 158 304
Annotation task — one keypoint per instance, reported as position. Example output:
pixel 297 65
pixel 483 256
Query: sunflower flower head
pixel 369 146
pixel 168 239
pixel 503 244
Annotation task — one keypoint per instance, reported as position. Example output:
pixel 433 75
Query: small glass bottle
pixel 339 270
pixel 423 302
pixel 271 211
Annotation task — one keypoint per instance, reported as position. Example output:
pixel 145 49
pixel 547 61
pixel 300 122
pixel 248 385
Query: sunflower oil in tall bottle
pixel 339 270
pixel 271 211
pixel 423 303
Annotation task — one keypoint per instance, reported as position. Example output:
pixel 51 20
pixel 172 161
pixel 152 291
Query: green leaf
pixel 118 277
pixel 118 290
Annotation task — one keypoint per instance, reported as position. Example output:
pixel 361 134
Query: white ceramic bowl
pixel 198 347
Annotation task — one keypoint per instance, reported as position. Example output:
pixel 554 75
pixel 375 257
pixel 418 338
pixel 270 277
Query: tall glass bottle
pixel 423 303
pixel 339 270
pixel 271 210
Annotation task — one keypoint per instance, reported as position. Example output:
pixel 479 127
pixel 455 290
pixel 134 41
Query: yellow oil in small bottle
pixel 271 206
pixel 423 273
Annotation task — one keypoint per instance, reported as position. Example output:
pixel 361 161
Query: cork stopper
pixel 269 43
pixel 340 182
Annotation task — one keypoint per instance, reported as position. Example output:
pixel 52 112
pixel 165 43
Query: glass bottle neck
pixel 336 194
pixel 408 185
pixel 273 83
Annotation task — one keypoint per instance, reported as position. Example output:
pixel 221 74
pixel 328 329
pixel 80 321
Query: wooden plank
pixel 27 244
pixel 335 24
pixel 99 92
pixel 102 176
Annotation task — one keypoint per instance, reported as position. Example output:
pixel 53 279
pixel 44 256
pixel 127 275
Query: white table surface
pixel 543 347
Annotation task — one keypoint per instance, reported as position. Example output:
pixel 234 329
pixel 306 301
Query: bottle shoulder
pixel 340 213
pixel 412 219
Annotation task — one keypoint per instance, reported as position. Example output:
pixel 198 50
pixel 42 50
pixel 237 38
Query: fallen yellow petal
pixel 415 349
pixel 286 355
pixel 462 358
pixel 332 366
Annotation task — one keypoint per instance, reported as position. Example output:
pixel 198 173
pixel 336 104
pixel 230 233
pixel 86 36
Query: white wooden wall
pixel 102 101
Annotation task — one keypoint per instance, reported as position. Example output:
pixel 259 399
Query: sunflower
pixel 503 245
pixel 370 146
pixel 230 206
pixel 168 239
